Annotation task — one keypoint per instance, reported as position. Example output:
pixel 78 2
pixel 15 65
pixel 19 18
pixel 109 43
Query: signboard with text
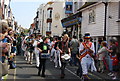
pixel 71 22
pixel 68 7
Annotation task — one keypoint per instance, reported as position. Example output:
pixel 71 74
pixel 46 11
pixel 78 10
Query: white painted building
pixel 50 16
pixel 6 8
pixel 6 12
pixel 93 20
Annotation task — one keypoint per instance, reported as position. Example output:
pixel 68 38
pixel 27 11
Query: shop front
pixel 72 25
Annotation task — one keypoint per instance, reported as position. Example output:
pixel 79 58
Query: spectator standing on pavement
pixel 44 49
pixel 19 43
pixel 102 52
pixel 14 44
pixel 13 49
pixel 74 44
pixel 6 42
pixel 3 41
pixel 86 51
pixel 3 45
pixel 112 49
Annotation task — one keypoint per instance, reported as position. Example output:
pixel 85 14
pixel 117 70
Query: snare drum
pixel 65 58
pixel 45 55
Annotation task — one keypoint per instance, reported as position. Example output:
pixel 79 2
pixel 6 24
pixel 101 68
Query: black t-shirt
pixel 14 43
pixel 114 48
pixel 63 46
pixel 58 44
pixel 44 47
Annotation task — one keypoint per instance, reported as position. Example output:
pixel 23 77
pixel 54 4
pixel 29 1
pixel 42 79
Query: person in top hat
pixel 86 50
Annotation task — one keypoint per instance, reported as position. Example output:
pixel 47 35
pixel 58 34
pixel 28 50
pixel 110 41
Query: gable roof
pixel 86 5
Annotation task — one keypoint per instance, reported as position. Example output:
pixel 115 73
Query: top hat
pixel 87 35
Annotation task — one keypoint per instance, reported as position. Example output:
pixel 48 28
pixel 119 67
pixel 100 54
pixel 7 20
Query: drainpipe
pixel 105 21
pixel 42 22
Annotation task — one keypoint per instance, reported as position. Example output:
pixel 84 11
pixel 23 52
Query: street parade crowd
pixel 62 51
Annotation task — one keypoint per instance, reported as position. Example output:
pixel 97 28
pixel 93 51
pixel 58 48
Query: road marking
pixel 72 73
pixel 79 77
pixel 94 76
pixel 15 70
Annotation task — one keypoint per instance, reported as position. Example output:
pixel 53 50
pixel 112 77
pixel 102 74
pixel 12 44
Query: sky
pixel 24 11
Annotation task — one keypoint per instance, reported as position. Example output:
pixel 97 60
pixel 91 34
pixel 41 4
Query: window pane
pixel 50 13
pixel 50 27
pixel 92 16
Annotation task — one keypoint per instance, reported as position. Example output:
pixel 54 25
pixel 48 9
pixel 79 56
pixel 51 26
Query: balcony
pixel 50 8
pixel 48 32
pixel 49 20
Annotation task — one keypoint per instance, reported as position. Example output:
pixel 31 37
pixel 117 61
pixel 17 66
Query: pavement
pixel 29 72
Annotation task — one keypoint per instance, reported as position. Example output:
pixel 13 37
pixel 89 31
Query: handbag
pixel 4 69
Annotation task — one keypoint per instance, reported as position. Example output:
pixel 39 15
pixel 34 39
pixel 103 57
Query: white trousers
pixel 86 63
pixel 37 58
pixel 57 58
pixel 25 55
pixel 52 52
pixel 30 57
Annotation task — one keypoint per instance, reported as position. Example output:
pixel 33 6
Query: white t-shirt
pixel 102 53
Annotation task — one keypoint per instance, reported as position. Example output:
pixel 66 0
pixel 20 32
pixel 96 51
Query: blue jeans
pixel 74 60
pixel 110 64
pixel 79 70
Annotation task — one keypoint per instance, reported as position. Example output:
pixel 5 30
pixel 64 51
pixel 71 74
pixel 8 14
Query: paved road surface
pixel 27 71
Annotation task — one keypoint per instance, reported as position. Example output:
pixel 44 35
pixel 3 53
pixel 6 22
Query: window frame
pixel 49 13
pixel 49 26
pixel 92 15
